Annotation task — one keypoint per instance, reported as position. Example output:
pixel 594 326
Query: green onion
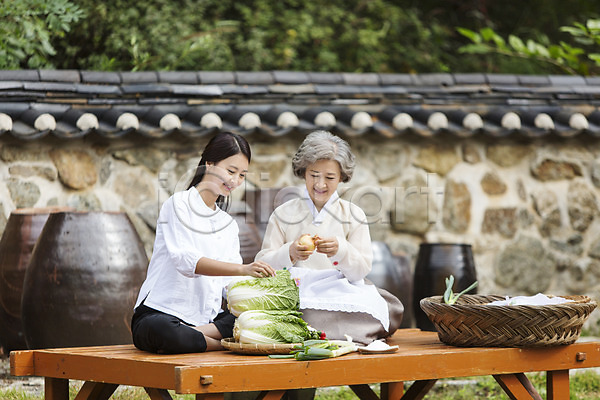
pixel 449 296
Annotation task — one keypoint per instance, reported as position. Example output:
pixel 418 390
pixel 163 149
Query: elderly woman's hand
pixel 327 246
pixel 300 249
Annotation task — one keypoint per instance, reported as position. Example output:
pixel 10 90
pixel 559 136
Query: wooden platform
pixel 421 358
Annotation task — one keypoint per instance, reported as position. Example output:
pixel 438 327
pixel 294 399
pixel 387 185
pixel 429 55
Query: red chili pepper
pixel 322 336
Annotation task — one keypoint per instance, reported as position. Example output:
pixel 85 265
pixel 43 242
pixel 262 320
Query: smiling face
pixel 224 176
pixel 322 179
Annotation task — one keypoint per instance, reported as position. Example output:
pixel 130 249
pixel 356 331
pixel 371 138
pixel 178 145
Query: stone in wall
pixel 413 210
pixel 23 193
pixel 106 167
pixel 149 157
pixel 524 266
pixel 148 212
pixel 500 220
pixel 594 250
pixel 3 219
pixel 269 172
pixel 22 153
pixel 551 168
pixel 507 155
pixel 570 245
pixel 389 160
pixel 437 158
pixel 84 202
pixel 524 218
pixel 27 171
pixel 76 168
pixel 595 173
pixel 521 191
pixel 457 207
pixel 471 153
pixel 582 276
pixel 135 187
pixel 545 204
pixel 582 205
pixel 492 184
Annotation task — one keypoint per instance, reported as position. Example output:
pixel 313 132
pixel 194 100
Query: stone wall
pixel 529 209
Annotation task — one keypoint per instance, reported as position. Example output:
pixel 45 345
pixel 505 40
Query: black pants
pixel 162 333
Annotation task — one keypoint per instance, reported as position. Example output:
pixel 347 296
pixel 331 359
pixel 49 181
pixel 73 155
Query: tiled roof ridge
pixel 294 78
pixel 74 103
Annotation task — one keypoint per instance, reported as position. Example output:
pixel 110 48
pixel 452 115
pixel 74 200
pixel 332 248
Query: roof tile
pixel 397 79
pixel 139 77
pixel 254 78
pixel 19 75
pixel 361 79
pixel 63 75
pixel 326 78
pixel 183 77
pixel 216 77
pixel 100 77
pixel 291 77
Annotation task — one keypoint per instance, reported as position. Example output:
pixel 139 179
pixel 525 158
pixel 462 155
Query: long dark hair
pixel 220 147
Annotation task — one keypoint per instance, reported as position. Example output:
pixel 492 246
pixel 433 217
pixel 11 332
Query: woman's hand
pixel 300 252
pixel 327 246
pixel 258 269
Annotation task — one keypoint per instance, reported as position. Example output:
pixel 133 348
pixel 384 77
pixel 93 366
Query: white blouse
pixel 339 218
pixel 188 230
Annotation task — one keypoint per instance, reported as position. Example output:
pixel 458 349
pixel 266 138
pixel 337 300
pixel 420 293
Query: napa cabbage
pixel 278 292
pixel 266 327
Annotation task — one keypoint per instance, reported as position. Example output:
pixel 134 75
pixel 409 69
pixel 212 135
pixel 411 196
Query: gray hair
pixel 322 145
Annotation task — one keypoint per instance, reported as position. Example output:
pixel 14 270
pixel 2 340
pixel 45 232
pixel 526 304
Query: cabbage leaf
pixel 278 292
pixel 266 327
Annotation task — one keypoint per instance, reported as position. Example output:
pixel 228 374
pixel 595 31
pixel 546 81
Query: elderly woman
pixel 331 266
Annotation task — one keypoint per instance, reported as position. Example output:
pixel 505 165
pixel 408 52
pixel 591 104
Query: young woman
pixel 334 297
pixel 179 308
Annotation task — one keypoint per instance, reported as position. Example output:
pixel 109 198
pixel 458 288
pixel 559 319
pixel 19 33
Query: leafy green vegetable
pixel 262 327
pixel 449 296
pixel 278 292
pixel 319 350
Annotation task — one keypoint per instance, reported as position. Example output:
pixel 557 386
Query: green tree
pixel 337 35
pixel 28 27
pixel 568 58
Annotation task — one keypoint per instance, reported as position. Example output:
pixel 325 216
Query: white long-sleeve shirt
pixel 188 230
pixel 339 218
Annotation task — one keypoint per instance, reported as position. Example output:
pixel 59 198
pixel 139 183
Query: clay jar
pixel 22 229
pixel 392 272
pixel 82 281
pixel 249 235
pixel 435 262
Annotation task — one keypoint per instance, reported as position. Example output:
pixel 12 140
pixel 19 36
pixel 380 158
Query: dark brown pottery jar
pixel 22 229
pixel 82 281
pixel 392 272
pixel 250 237
pixel 435 262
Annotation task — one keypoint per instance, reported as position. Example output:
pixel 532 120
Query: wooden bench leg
pixel 364 392
pixel 158 394
pixel 517 386
pixel 418 389
pixel 271 395
pixel 210 396
pixel 392 390
pixel 557 385
pixel 96 391
pixel 56 389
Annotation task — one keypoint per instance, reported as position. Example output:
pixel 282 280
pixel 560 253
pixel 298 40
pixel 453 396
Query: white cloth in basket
pixel 537 300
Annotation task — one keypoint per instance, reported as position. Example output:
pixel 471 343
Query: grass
pixel 585 385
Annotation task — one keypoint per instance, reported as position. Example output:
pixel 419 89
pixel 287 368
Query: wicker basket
pixel 473 322
pixel 258 349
